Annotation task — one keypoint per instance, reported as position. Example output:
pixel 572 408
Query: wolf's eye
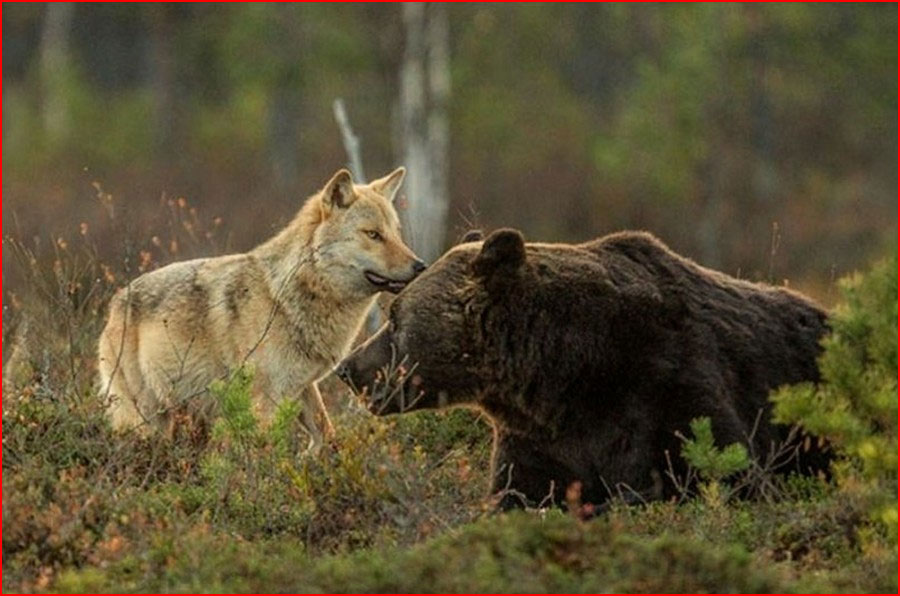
pixel 373 234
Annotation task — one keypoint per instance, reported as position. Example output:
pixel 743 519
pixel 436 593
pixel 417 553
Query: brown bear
pixel 590 358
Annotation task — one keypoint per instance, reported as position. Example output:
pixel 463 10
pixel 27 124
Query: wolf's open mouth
pixel 383 283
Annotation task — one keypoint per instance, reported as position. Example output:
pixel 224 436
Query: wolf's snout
pixel 383 283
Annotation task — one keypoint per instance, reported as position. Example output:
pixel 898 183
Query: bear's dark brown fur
pixel 589 358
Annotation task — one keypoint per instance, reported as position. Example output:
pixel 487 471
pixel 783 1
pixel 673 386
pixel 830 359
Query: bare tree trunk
pixel 351 141
pixel 413 132
pixel 424 130
pixel 284 133
pixel 163 81
pixel 710 226
pixel 438 41
pixel 285 112
pixel 55 70
pixel 354 162
pixel 762 131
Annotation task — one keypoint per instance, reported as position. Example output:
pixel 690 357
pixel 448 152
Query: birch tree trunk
pixel 438 43
pixel 285 111
pixel 162 81
pixel 424 130
pixel 55 70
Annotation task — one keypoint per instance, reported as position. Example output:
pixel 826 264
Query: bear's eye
pixel 373 234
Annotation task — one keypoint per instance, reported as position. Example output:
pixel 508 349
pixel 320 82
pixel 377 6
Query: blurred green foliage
pixel 703 123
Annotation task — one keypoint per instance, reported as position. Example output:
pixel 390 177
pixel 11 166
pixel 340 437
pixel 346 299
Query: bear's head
pixel 451 333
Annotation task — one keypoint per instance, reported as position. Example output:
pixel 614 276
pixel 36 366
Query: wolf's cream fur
pixel 289 308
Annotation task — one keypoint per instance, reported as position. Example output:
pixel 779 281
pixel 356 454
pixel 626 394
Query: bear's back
pixel 706 293
pixel 734 340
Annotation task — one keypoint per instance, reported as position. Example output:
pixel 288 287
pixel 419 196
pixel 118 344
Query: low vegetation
pixel 399 504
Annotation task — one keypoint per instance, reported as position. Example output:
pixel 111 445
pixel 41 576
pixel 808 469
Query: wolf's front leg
pixel 327 426
pixel 315 418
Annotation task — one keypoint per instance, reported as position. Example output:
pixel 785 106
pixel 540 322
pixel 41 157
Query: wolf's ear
pixel 471 236
pixel 338 193
pixel 502 251
pixel 390 184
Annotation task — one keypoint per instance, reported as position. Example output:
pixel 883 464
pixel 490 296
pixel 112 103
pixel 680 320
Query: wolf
pixel 289 309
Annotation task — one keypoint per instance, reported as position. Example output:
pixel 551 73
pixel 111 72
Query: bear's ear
pixel 471 236
pixel 338 193
pixel 503 250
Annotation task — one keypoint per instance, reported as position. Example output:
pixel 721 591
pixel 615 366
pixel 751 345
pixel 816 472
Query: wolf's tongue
pixel 376 279
pixel 391 285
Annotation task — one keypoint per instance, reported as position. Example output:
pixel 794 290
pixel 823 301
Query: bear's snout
pixel 343 372
pixel 374 371
pixel 349 372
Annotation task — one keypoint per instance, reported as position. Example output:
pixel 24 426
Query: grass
pixel 393 505
pixel 796 546
pixel 518 552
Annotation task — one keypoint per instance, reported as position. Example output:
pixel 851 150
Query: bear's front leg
pixel 523 475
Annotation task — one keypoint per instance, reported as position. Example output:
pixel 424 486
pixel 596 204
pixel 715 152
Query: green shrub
pixel 855 404
pixel 373 482
pixel 237 420
pixel 440 432
pixel 712 463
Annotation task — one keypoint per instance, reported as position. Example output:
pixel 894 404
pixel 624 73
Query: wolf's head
pixel 357 239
